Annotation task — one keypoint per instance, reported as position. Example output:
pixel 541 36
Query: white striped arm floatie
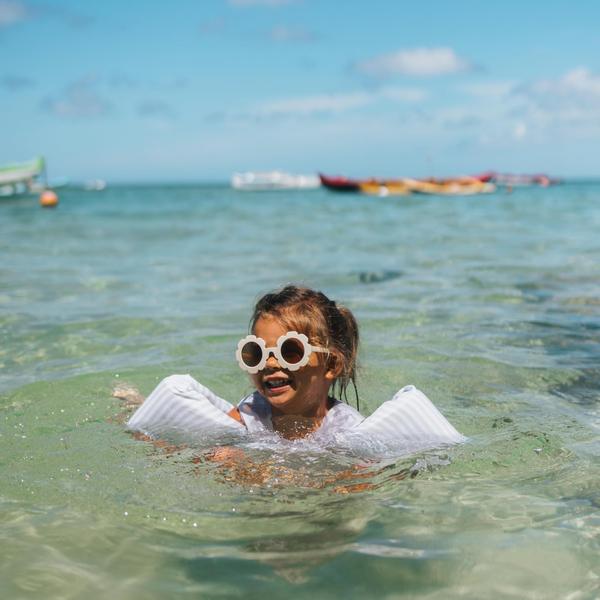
pixel 407 423
pixel 181 408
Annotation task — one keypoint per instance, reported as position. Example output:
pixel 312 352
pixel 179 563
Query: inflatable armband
pixel 181 409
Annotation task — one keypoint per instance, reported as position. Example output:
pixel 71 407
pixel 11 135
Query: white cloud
pixel 417 61
pixel 578 85
pixel 12 12
pixel 570 104
pixel 17 11
pixel 315 104
pixel 337 103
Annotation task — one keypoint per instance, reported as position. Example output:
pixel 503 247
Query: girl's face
pixel 303 392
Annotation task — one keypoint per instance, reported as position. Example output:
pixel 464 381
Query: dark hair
pixel 324 322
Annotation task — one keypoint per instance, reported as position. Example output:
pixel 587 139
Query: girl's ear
pixel 335 366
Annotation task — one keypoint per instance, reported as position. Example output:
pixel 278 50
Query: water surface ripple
pixel 490 305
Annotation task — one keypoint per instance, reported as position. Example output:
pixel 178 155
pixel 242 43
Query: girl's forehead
pixel 274 326
pixel 270 327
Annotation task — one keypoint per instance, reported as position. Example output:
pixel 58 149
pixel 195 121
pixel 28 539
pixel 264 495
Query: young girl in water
pixel 301 354
pixel 302 347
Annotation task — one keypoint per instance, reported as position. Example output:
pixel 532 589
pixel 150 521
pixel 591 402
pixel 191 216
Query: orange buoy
pixel 48 198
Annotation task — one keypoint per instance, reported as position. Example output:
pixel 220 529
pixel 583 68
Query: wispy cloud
pixel 80 99
pixel 305 106
pixel 15 83
pixel 13 12
pixel 328 103
pixel 421 62
pixel 156 108
pixel 122 81
pixel 568 105
pixel 282 33
pixel 491 89
pixel 579 87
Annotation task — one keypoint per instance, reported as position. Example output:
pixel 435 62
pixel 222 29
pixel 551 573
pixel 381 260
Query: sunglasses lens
pixel 251 354
pixel 292 351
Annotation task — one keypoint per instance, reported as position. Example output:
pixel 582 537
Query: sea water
pixel 489 304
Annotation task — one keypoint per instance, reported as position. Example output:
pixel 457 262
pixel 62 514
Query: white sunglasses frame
pixel 276 351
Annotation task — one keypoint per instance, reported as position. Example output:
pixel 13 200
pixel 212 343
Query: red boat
pixel 340 183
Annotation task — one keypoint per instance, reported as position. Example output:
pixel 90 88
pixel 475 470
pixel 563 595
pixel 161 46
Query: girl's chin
pixel 278 396
pixel 277 392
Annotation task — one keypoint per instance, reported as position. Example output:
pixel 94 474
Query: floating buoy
pixel 48 198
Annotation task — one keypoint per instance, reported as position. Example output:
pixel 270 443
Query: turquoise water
pixel 488 304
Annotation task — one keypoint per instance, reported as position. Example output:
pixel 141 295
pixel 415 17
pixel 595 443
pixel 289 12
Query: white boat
pixel 23 178
pixel 94 185
pixel 273 180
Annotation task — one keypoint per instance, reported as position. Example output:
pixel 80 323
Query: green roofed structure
pixel 23 178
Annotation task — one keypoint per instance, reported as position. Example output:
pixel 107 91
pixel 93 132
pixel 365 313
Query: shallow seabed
pixel 489 304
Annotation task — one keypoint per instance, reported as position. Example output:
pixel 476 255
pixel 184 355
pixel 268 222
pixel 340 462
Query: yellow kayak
pixel 384 188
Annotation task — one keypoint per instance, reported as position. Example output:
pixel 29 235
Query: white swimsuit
pixel 183 410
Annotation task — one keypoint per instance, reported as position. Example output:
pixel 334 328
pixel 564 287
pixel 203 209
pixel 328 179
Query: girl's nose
pixel 272 361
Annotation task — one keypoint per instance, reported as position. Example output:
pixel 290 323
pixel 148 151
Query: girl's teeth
pixel 276 383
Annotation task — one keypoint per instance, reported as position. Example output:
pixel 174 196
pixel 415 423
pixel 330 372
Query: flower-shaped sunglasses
pixel 292 352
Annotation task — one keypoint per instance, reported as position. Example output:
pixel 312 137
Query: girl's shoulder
pixel 255 411
pixel 340 417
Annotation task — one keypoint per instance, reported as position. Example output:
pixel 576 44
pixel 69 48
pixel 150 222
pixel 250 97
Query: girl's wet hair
pixel 323 321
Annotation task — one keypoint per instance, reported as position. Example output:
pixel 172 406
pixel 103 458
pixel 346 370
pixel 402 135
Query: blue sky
pixel 194 90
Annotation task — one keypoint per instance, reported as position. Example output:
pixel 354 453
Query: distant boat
pixel 455 186
pixel 517 180
pixel 387 187
pixel 23 178
pixel 339 183
pixel 94 185
pixel 273 180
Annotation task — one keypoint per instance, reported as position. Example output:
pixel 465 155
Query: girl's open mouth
pixel 277 385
